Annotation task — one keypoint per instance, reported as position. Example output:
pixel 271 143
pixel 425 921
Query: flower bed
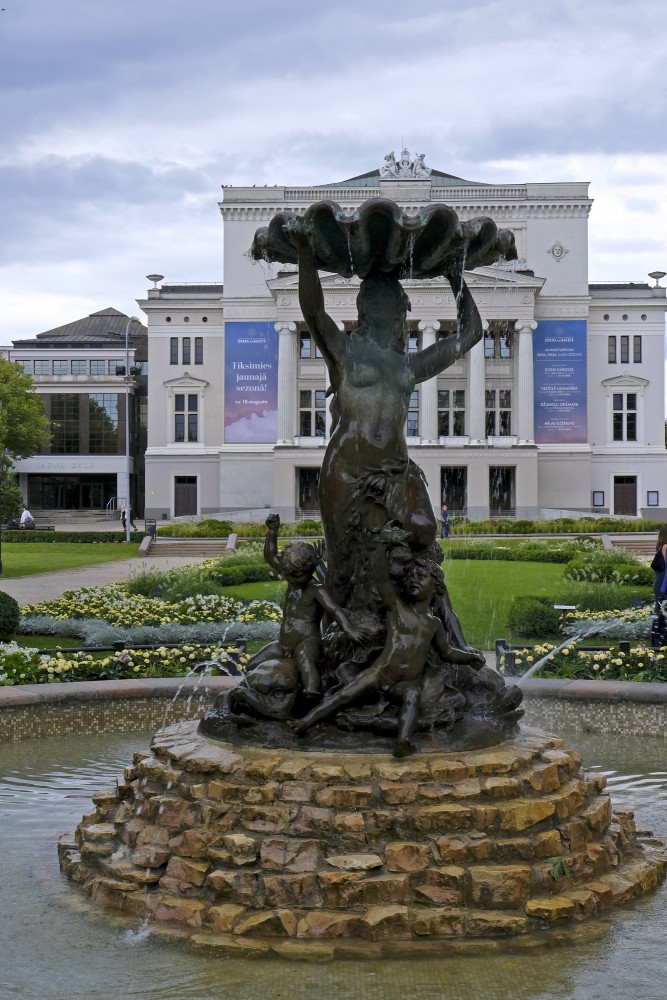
pixel 637 663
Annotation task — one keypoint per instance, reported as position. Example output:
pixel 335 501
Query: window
pixel 451 412
pixel 42 367
pixel 611 350
pixel 26 366
pixel 598 498
pixel 312 413
pixel 103 436
pixel 199 350
pixel 65 424
pixel 412 428
pixel 624 406
pixel 79 367
pixel 413 342
pixel 97 367
pixel 652 498
pixel 306 345
pixel 60 367
pixel 498 412
pixel 625 350
pixel 498 342
pixel 186 351
pixel 173 350
pixel 637 350
pixel 186 417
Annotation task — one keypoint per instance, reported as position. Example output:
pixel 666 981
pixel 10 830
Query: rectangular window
pixel 611 350
pixel 489 343
pixel 413 343
pixel 312 413
pixel 103 437
pixel 498 412
pixel 42 367
pixel 61 367
pixel 637 350
pixel 79 367
pixel 412 424
pixel 199 350
pixel 652 499
pixel 173 350
pixel 186 350
pixel 65 411
pixel 625 350
pixel 304 344
pixel 498 342
pixel 624 416
pixel 26 366
pixel 180 415
pixel 451 412
pixel 97 367
pixel 598 498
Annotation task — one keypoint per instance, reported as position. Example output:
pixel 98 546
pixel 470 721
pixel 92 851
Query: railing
pixel 113 506
pixel 498 513
pixel 304 515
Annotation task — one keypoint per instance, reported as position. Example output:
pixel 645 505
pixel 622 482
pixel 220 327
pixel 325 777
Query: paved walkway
pixel 48 586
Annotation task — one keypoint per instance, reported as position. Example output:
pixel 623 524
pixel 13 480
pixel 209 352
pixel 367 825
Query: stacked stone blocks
pixel 249 845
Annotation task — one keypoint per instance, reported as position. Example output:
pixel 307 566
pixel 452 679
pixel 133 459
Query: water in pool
pixel 50 950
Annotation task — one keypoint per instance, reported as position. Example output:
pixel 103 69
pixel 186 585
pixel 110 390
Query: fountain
pixel 366 790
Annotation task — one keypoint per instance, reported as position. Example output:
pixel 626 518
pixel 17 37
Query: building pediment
pixel 185 383
pixel 625 381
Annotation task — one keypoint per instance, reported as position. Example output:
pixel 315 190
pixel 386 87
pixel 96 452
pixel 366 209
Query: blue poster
pixel 251 383
pixel 559 366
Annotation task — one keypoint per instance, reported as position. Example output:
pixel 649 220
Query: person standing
pixel 444 521
pixel 659 567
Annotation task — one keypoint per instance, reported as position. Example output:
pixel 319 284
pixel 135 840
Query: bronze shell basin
pixel 381 236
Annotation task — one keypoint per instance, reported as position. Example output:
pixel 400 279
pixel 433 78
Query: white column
pixel 475 401
pixel 428 391
pixel 523 402
pixel 286 382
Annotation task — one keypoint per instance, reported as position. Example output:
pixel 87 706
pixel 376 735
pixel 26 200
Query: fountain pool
pixel 54 946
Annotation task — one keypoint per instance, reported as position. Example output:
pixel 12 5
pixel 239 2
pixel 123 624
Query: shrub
pixel 84 537
pixel 230 576
pixel 534 617
pixel 10 615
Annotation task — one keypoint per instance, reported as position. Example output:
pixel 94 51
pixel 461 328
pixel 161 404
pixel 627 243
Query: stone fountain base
pixel 323 854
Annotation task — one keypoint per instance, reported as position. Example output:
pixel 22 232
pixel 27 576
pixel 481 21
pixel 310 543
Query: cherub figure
pixel 306 601
pixel 412 631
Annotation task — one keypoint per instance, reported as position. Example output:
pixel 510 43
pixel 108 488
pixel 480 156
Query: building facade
pixel 560 409
pixel 89 374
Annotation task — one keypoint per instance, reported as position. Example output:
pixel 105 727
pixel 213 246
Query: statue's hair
pixel 373 281
pixel 299 557
pixel 662 537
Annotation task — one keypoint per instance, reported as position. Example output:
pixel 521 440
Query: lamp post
pixel 128 376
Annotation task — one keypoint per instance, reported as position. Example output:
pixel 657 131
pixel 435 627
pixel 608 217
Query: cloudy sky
pixel 121 120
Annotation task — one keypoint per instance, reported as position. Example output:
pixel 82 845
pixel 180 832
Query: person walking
pixel 126 513
pixel 444 521
pixel 659 567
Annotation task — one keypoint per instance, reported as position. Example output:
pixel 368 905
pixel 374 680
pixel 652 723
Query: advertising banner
pixel 251 383
pixel 559 366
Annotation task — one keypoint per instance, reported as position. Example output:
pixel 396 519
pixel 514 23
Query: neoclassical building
pixel 559 409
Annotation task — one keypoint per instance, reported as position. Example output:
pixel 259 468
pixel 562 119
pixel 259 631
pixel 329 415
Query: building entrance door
pixel 625 495
pixel 308 498
pixel 185 495
pixel 502 501
pixel 454 488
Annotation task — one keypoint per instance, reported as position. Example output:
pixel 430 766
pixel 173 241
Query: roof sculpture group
pixel 369 643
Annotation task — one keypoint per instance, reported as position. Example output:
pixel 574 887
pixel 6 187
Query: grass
pixel 23 559
pixel 481 593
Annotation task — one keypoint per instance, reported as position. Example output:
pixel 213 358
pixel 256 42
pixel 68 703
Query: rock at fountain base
pixel 243 848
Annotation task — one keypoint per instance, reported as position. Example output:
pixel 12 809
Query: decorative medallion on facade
pixel 557 251
pixel 405 169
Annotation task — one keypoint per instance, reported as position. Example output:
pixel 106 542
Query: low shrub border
pixel 88 537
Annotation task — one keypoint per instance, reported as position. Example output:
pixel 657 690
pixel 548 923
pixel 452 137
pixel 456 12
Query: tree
pixel 11 498
pixel 24 427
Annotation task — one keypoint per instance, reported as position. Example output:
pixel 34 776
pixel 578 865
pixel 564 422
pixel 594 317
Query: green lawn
pixel 27 558
pixel 481 592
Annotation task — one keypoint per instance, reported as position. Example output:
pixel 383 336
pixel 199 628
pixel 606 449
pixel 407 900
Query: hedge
pixel 560 525
pixel 70 536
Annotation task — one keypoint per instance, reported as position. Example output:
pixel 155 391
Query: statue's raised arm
pixel 469 331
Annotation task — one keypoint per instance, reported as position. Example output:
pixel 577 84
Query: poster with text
pixel 251 383
pixel 559 363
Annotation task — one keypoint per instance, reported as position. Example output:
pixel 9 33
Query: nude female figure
pixel 367 479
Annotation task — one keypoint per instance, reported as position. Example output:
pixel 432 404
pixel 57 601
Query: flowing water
pixel 52 949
